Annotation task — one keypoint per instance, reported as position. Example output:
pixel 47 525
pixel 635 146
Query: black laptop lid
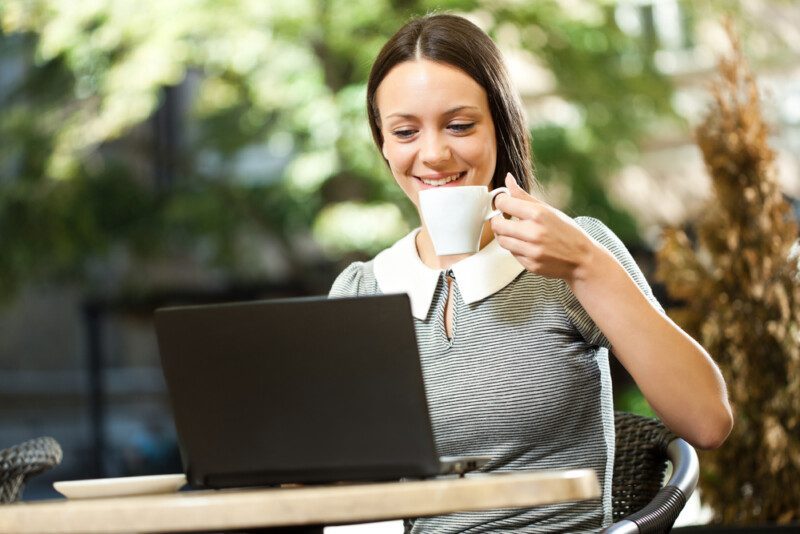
pixel 297 390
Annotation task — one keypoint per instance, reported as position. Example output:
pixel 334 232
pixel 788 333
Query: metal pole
pixel 92 313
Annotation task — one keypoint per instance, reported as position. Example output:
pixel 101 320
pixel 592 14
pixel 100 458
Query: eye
pixel 461 127
pixel 404 134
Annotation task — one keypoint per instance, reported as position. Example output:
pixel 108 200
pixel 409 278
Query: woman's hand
pixel 543 239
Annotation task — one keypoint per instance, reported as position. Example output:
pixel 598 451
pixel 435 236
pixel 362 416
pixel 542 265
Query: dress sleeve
pixel 579 317
pixel 349 282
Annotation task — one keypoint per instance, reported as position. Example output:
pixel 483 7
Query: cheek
pixel 400 157
pixel 479 153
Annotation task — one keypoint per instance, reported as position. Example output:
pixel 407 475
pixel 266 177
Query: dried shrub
pixel 739 282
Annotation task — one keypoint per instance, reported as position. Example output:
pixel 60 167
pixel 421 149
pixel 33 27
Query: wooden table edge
pixel 269 507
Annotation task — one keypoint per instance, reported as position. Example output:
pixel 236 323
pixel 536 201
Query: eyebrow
pixel 450 111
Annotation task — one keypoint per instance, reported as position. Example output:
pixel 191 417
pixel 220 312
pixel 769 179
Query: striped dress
pixel 523 379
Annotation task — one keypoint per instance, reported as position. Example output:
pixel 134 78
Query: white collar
pixel 398 269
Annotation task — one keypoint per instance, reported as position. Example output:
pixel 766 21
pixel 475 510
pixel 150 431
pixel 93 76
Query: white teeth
pixel 442 181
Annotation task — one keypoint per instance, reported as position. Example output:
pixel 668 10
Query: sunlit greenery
pixel 270 137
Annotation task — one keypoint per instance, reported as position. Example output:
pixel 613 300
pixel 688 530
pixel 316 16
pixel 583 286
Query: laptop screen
pixel 297 390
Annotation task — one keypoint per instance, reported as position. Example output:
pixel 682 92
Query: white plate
pixel 115 487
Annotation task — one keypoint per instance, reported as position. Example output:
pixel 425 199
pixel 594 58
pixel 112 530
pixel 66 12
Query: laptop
pixel 306 390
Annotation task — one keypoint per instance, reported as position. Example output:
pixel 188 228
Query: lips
pixel 441 179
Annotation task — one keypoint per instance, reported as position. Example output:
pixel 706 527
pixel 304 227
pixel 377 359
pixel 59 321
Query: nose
pixel 434 149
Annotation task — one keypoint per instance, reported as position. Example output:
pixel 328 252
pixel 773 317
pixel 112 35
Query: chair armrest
pixel 660 513
pixel 657 517
pixel 22 461
pixel 685 466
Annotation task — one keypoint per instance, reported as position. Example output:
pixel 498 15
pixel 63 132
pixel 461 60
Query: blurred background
pixel 156 153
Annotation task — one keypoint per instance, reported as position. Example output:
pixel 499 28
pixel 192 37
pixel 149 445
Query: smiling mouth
pixel 442 181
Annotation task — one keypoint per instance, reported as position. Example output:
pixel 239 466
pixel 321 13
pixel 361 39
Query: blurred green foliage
pixel 271 138
pixel 630 399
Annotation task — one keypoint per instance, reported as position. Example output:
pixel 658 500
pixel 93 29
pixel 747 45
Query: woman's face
pixel 437 127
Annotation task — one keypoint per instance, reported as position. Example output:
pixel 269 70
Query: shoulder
pixel 603 235
pixel 357 279
pixel 598 231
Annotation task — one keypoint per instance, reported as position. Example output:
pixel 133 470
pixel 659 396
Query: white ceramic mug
pixel 454 216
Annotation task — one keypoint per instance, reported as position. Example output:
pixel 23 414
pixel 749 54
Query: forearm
pixel 675 374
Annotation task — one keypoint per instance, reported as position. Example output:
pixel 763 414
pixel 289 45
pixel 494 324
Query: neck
pixel 428 255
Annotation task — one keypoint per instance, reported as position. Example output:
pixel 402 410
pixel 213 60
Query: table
pixel 297 506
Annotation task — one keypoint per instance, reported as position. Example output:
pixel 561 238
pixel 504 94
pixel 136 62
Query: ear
pixel 383 151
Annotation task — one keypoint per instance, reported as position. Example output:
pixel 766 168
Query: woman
pixel 514 339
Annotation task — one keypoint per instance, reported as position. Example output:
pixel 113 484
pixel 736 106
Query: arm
pixel 675 374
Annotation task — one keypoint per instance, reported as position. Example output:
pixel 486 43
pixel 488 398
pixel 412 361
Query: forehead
pixel 424 87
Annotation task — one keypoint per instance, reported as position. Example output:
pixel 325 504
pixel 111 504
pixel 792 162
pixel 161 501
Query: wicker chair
pixel 20 462
pixel 640 503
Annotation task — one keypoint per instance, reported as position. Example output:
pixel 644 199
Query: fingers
pixel 519 247
pixel 523 229
pixel 517 207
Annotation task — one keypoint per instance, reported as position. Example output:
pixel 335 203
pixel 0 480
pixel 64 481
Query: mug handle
pixel 492 195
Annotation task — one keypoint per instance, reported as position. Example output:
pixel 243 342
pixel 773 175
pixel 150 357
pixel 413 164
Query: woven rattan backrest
pixel 22 461
pixel 640 462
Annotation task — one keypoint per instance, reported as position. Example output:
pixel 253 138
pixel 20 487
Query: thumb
pixel 514 188
pixel 517 191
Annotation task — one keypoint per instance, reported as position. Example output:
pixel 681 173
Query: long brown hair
pixel 456 41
